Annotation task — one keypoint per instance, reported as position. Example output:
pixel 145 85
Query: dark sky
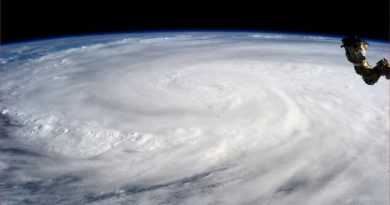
pixel 24 20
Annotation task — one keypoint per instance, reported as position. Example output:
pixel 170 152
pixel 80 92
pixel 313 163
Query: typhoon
pixel 193 118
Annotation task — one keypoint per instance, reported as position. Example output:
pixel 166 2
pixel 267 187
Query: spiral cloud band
pixel 191 118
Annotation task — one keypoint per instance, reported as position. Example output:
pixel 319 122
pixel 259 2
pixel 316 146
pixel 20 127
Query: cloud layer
pixel 199 118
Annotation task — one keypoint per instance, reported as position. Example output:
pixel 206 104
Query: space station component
pixel 355 50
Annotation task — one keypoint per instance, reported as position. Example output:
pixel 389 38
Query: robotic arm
pixel 355 50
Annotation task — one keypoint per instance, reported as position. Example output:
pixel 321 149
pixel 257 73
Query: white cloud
pixel 193 120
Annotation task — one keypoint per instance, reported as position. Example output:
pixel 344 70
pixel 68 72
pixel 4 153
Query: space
pixel 236 104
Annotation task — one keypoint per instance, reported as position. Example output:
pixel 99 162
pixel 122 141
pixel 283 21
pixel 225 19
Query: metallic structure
pixel 355 49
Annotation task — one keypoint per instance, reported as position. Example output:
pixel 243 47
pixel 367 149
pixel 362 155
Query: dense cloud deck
pixel 199 118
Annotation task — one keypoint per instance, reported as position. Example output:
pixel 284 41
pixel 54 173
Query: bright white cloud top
pixel 199 118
